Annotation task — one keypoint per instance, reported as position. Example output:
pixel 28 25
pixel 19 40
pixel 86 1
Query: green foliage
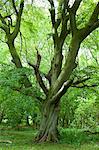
pixel 14 99
pixel 68 105
pixel 76 136
pixel 86 115
pixel 35 37
pixel 83 14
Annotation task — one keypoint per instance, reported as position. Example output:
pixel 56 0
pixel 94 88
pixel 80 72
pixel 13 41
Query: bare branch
pixel 52 12
pixel 38 59
pixel 85 85
pixel 75 6
pixel 37 73
pixel 14 6
pixel 80 81
pixel 39 78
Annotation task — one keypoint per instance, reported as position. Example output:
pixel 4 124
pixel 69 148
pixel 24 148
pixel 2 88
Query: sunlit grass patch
pixel 70 139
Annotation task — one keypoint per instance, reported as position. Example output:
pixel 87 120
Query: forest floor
pixel 71 139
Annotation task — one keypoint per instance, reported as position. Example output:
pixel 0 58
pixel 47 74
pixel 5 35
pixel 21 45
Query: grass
pixel 77 136
pixel 71 139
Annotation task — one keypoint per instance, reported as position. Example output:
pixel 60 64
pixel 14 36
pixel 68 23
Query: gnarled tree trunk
pixel 48 127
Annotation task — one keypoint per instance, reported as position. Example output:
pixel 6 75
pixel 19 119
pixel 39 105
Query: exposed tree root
pixel 47 137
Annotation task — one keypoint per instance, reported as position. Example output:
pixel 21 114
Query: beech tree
pixel 64 20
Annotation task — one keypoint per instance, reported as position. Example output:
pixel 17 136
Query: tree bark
pixel 48 127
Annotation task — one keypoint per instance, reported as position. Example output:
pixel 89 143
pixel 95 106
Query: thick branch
pixel 55 23
pixel 91 25
pixel 62 10
pixel 75 6
pixel 94 16
pixel 74 47
pixel 16 60
pixel 62 91
pixel 69 63
pixel 61 14
pixel 52 12
pixel 72 15
pixel 73 22
pixel 64 31
pixel 14 6
pixel 80 81
pixel 18 21
pixel 85 85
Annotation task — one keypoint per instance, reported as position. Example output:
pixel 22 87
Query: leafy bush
pixel 86 115
pixel 76 136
